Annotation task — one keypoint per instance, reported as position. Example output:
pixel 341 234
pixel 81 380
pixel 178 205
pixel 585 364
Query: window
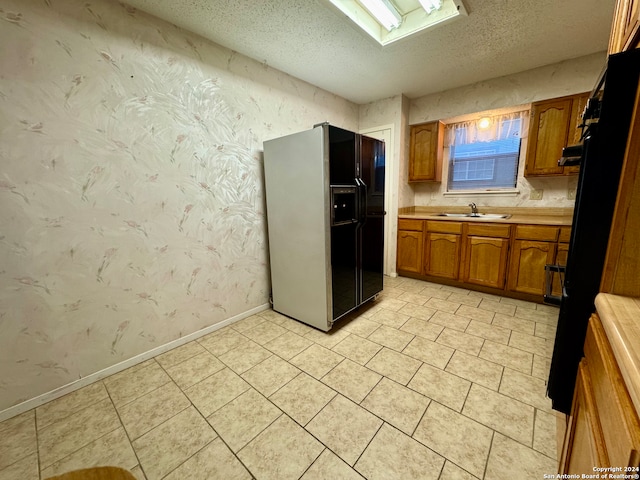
pixel 483 155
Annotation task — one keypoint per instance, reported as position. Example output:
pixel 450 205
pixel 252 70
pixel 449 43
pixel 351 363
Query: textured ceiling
pixel 311 40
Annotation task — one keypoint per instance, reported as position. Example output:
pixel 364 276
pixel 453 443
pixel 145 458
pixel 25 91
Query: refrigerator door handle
pixel 362 201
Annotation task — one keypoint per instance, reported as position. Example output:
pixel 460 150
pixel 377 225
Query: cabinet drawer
pixel 537 232
pixel 444 227
pixel 406 224
pixel 620 424
pixel 565 234
pixel 489 230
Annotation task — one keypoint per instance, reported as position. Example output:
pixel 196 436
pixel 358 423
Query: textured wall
pixel 565 78
pixel 131 198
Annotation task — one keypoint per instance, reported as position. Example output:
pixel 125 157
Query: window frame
pixel 514 157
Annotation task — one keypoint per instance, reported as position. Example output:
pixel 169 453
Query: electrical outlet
pixel 571 194
pixel 536 194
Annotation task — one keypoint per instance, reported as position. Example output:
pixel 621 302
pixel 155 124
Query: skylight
pixel 390 20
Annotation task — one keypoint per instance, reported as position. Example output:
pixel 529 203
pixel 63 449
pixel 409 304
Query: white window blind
pixel 484 156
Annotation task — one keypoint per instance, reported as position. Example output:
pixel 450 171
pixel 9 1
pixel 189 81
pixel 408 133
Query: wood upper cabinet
pixel 486 249
pixel 425 152
pixel 410 246
pixel 554 125
pixel 625 31
pixel 442 249
pixel 575 132
pixel 533 248
pixel 577 108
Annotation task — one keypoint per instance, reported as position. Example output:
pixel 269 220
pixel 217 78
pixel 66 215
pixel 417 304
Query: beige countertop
pixel 522 215
pixel 620 318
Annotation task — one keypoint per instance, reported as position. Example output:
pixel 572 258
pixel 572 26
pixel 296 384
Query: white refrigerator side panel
pixel 297 194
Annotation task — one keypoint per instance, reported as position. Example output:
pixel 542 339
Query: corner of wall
pixel 406 194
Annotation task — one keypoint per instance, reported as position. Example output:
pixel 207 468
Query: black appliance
pixel 603 151
pixel 325 215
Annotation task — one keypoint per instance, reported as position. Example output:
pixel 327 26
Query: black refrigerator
pixel 325 216
pixel 602 154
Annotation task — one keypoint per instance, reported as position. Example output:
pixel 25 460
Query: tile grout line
pixel 421 418
pixel 486 463
pixel 315 460
pixel 533 430
pixel 125 430
pixel 39 463
pixel 369 443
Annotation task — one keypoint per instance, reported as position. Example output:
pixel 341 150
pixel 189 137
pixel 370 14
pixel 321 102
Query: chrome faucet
pixel 474 209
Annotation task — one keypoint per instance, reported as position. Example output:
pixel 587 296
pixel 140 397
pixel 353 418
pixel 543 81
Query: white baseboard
pixel 94 377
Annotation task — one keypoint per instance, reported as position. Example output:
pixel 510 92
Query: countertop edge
pixel 620 318
pixel 559 221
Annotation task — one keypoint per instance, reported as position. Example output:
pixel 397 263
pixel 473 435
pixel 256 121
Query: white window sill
pixel 511 192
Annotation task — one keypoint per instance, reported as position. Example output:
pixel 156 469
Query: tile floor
pixel 427 382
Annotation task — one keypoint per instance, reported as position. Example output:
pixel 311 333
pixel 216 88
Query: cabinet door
pixel 625 31
pixel 616 412
pixel 526 266
pixel 575 132
pixel 410 248
pixel 548 135
pixel 442 255
pixel 584 445
pixel 485 261
pixel 425 154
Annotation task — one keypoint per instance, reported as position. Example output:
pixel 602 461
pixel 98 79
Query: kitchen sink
pixel 491 215
pixel 474 215
pixel 455 214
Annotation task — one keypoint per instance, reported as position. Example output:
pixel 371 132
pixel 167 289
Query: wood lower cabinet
pixel 562 253
pixel 442 249
pixel 533 248
pixel 526 266
pixel 603 428
pixel 486 249
pixel 585 440
pixel 496 257
pixel 425 152
pixel 410 246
